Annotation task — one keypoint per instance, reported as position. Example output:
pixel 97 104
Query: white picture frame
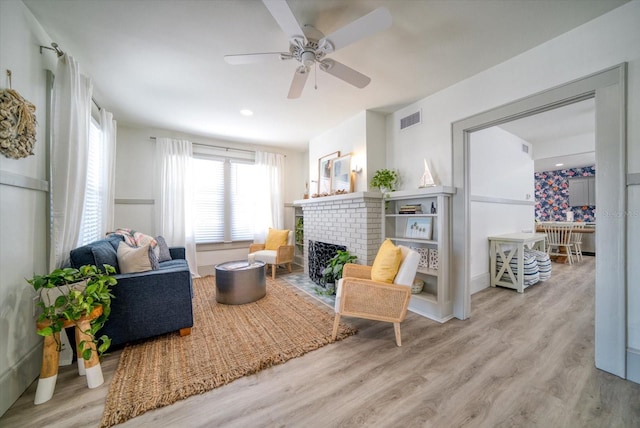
pixel 418 228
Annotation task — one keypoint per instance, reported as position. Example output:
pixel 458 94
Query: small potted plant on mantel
pixel 385 180
pixel 333 272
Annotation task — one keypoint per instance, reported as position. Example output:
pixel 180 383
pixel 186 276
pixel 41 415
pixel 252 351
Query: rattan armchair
pixel 283 255
pixel 357 295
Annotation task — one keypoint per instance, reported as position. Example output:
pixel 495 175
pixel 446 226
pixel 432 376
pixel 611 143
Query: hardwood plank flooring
pixel 522 360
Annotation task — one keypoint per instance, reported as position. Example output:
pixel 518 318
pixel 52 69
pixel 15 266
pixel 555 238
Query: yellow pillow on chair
pixel 276 238
pixel 386 264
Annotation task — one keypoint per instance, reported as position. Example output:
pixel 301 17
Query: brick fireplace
pixel 353 220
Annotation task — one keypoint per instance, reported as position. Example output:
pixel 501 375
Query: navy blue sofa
pixel 146 304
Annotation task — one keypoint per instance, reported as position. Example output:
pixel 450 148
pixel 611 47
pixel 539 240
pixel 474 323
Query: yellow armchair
pixel 282 255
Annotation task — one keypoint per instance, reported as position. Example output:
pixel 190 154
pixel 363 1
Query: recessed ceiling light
pixel 559 164
pixel 246 112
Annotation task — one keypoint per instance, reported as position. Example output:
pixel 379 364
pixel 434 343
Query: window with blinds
pixel 91 211
pixel 223 200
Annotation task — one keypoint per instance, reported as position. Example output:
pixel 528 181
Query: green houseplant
pixel 79 292
pixel 385 180
pixel 333 272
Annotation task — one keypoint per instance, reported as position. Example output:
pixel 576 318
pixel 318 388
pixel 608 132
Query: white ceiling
pixel 159 63
pixel 564 135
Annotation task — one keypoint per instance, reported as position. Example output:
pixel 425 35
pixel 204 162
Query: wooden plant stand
pixel 51 356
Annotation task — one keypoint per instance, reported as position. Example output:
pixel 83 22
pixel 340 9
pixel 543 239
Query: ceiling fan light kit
pixel 309 46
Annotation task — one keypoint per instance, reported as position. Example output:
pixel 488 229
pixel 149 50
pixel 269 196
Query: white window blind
pixel 209 200
pixel 241 179
pixel 91 211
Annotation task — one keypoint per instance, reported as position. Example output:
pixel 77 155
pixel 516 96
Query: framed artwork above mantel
pixel 341 176
pixel 325 174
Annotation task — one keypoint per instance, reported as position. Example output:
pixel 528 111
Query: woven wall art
pixel 17 125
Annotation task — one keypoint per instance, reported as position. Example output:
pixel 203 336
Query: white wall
pixel 23 212
pixel 597 45
pixel 363 136
pixel 135 186
pixel 501 175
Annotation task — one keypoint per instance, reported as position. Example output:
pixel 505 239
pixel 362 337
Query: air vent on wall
pixel 525 148
pixel 411 120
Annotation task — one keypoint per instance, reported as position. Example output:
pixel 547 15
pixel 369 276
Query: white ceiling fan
pixel 309 46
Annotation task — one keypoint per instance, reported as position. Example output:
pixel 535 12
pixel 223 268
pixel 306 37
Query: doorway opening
pixel 608 90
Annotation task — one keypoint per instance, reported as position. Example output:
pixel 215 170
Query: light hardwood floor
pixel 522 360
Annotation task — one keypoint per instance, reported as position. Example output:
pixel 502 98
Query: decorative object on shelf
pixel 427 178
pixel 433 258
pixel 410 209
pixel 341 176
pixel 17 124
pixel 416 287
pixel 418 228
pixel 306 190
pixel 324 173
pixel 433 208
pixel 333 272
pixel 385 180
pixel 424 256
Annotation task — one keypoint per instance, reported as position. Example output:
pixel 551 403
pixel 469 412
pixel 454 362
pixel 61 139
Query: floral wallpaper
pixel 552 195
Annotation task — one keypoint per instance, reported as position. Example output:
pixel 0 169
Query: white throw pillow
pixel 133 259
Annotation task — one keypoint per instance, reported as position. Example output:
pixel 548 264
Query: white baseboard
pixel 479 282
pixel 17 379
pixel 633 365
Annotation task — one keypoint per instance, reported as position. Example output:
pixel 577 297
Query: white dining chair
pixel 559 239
pixel 576 240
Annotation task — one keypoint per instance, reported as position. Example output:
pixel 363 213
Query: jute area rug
pixel 226 343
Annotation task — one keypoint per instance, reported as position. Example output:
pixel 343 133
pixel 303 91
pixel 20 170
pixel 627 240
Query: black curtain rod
pixel 54 47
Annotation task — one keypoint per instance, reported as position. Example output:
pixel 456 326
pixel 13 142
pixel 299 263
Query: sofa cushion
pixel 163 250
pixel 133 259
pixel 84 255
pixel 104 253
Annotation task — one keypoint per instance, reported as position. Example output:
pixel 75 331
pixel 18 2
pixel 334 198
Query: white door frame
pixel 608 88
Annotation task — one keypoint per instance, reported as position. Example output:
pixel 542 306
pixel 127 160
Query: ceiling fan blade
pixel 256 57
pixel 365 26
pixel 345 73
pixel 297 84
pixel 281 12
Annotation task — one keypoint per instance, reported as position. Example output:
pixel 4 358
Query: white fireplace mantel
pixel 352 220
pixel 335 198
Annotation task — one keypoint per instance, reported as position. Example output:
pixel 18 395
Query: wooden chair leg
pixel 273 271
pixel 48 369
pixel 92 366
pixel 289 265
pixel 185 331
pixel 396 329
pixel 336 324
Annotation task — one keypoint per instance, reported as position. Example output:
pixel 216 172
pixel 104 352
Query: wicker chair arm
pixel 255 247
pixel 356 271
pixel 369 299
pixel 284 254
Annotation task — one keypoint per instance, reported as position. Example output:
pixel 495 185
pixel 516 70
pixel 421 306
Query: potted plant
pixel 385 180
pixel 333 271
pixel 67 295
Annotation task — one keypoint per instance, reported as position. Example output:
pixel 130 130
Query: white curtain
pixel 269 194
pixel 174 195
pixel 71 115
pixel 108 128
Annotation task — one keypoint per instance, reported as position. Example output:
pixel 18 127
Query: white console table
pixel 520 241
